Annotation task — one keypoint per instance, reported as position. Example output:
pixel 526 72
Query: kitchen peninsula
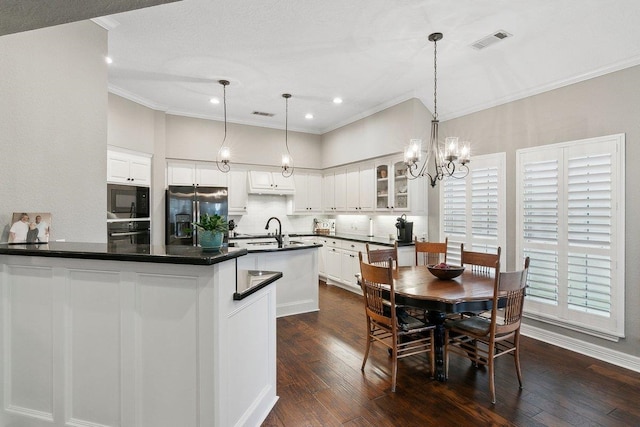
pixel 175 337
pixel 297 291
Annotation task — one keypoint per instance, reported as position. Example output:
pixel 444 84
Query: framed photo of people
pixel 30 227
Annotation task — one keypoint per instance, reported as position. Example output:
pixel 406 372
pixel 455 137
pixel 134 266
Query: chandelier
pixel 224 153
pixel 442 157
pixel 287 160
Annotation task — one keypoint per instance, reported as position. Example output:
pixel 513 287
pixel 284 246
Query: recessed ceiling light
pixel 214 101
pixel 308 116
pixel 108 59
pixel 337 100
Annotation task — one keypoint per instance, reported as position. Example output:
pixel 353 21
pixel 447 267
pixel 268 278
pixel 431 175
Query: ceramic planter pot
pixel 210 241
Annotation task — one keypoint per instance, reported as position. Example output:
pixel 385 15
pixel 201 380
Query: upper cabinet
pixel 360 188
pixel 265 182
pixel 199 174
pixel 238 196
pixel 334 191
pixel 394 191
pixel 128 168
pixel 308 196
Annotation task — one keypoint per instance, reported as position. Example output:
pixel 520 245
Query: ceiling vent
pixel 263 114
pixel 491 39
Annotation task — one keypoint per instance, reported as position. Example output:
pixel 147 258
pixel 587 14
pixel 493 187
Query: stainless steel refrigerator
pixel 185 205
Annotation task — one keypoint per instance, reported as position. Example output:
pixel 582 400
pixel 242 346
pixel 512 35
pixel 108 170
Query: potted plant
pixel 212 229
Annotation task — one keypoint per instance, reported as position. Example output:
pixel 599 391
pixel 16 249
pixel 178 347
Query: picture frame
pixel 30 227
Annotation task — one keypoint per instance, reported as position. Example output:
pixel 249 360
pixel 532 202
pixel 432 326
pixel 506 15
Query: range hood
pixel 265 182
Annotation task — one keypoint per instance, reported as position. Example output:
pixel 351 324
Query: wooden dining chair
pixel 402 334
pixel 483 339
pixel 480 262
pixel 381 256
pixel 428 253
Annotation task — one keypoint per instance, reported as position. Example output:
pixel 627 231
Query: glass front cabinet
pixel 392 186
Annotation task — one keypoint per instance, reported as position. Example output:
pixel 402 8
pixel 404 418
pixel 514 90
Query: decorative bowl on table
pixel 445 271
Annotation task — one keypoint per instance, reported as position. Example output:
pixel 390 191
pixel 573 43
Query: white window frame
pixel 560 313
pixel 479 243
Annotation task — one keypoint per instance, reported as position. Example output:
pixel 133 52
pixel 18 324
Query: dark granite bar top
pixel 137 253
pixel 251 281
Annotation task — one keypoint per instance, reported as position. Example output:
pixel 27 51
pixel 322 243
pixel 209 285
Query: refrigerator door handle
pixel 196 215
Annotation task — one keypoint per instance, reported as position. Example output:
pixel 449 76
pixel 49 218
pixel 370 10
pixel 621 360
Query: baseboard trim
pixel 614 357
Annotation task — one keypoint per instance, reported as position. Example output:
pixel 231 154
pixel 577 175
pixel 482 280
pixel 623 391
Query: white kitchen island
pixel 298 262
pixel 174 338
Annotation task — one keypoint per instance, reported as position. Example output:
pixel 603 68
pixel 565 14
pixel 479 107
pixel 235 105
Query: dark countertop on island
pixel 142 253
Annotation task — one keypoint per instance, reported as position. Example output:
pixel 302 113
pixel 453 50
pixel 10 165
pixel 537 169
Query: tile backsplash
pixel 262 207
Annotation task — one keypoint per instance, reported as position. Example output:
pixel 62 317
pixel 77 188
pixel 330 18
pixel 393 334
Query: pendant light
pixel 224 153
pixel 287 160
pixel 444 157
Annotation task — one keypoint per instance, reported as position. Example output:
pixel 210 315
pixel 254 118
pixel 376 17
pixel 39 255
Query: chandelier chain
pixel 435 80
pixel 222 157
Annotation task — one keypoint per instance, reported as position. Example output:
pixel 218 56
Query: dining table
pixel 416 286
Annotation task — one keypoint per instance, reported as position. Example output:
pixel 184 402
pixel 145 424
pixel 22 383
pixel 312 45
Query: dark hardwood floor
pixel 320 382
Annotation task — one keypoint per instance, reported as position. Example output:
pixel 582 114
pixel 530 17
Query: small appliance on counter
pixel 324 226
pixel 405 229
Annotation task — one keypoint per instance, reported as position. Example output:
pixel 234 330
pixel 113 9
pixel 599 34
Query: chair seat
pixel 476 325
pixel 408 323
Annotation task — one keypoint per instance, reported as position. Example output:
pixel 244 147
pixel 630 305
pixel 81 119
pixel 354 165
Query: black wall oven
pixel 128 221
pixel 127 201
pixel 129 235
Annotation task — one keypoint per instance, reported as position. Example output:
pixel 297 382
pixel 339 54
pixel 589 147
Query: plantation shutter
pixel 472 208
pixel 540 227
pixel 571 222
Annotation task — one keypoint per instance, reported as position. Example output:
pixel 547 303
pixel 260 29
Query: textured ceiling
pixel 372 53
pixel 25 15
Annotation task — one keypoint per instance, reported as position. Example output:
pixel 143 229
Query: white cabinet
pixel 199 174
pixel 128 168
pixel 341 262
pixel 238 196
pixel 208 175
pixel 350 265
pixel 334 191
pixel 333 264
pixel 393 190
pixel 360 188
pixel 308 196
pixel 265 182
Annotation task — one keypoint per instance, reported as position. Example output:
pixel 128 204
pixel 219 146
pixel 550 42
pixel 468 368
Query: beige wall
pixel 53 128
pixel 601 106
pixel 198 139
pixel 383 133
pixel 131 125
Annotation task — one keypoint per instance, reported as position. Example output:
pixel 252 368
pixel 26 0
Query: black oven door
pixel 129 236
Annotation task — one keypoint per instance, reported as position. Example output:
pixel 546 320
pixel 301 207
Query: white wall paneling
pixel 99 343
pixel 297 290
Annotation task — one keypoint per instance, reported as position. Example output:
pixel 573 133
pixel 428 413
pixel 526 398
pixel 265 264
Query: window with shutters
pixel 570 207
pixel 473 208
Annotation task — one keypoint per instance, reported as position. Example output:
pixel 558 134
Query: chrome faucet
pixel 278 235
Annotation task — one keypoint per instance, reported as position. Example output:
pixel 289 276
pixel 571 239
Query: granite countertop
pixel 272 245
pixel 382 241
pixel 138 253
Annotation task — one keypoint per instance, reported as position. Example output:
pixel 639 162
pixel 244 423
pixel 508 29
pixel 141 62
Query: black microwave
pixel 128 201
